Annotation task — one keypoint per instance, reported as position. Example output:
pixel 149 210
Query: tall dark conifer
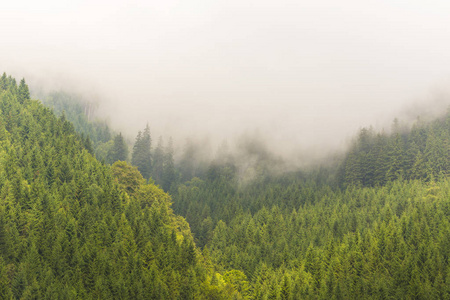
pixel 169 175
pixel 4 82
pixel 141 157
pixel 12 84
pixel 24 92
pixel 158 162
pixel 119 150
pixel 136 148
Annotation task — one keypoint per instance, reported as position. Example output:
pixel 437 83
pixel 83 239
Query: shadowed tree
pixel 24 93
pixel 158 162
pixel 119 150
pixel 169 175
pixel 141 157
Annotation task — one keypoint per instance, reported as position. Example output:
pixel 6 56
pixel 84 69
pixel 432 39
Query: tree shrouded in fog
pixel 74 228
pixel 158 162
pixel 119 150
pixel 141 156
pixel 24 93
pixel 374 223
pixel 169 172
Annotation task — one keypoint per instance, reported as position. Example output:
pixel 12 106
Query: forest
pixel 89 213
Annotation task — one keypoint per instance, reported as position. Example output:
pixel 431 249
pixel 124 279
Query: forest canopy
pixel 88 213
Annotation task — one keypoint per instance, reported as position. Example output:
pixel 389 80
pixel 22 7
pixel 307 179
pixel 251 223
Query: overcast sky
pixel 306 73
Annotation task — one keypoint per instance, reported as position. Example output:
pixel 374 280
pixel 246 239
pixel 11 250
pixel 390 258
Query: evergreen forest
pixel 87 212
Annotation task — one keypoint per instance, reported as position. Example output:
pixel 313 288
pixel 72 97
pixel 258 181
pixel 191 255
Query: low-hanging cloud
pixel 303 74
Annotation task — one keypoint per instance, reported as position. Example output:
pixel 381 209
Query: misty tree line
pixel 318 235
pixel 110 147
pixel 373 225
pixel 155 162
pixel 423 152
pixel 72 227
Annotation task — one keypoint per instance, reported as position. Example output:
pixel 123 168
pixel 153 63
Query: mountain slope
pixel 376 225
pixel 298 236
pixel 73 228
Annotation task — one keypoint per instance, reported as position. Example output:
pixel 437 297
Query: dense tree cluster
pixel 420 153
pixel 110 147
pixel 141 157
pixel 321 234
pixel 374 225
pixel 81 114
pixel 118 150
pixel 74 228
pixel 360 242
pixel 159 165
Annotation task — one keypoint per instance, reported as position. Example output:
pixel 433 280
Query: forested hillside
pixel 374 224
pixel 109 146
pixel 322 234
pixel 74 228
pixel 98 137
pixel 422 152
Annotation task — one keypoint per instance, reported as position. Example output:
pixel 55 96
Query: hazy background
pixel 301 74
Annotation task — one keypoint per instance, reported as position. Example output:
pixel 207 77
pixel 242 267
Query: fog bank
pixel 305 75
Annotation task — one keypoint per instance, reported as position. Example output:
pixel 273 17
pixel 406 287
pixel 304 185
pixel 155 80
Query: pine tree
pixel 141 156
pixel 73 228
pixel 24 93
pixel 88 145
pixel 169 175
pixel 285 288
pixel 4 82
pixel 136 148
pixel 12 84
pixel 158 162
pixel 119 150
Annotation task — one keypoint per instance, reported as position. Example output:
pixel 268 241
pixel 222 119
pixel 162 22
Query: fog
pixel 305 75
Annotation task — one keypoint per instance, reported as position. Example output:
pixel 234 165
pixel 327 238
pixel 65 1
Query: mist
pixel 303 76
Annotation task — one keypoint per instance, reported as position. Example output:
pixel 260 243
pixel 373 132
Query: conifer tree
pixel 169 175
pixel 136 147
pixel 4 82
pixel 141 157
pixel 12 84
pixel 119 150
pixel 73 228
pixel 88 145
pixel 24 93
pixel 158 162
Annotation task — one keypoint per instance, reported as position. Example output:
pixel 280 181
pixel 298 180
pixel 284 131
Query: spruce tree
pixel 24 93
pixel 136 148
pixel 119 150
pixel 169 175
pixel 88 145
pixel 158 162
pixel 141 157
pixel 4 82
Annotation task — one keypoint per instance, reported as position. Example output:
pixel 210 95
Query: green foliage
pixel 381 234
pixel 23 92
pixel 354 243
pixel 141 157
pixel 158 162
pixel 376 227
pixel 74 228
pixel 118 151
pixel 238 281
pixel 128 177
pixel 169 173
pixel 81 113
pixel 420 153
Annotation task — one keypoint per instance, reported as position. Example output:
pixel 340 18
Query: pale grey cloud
pixel 302 72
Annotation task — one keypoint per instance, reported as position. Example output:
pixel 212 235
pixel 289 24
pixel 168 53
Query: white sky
pixel 306 73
